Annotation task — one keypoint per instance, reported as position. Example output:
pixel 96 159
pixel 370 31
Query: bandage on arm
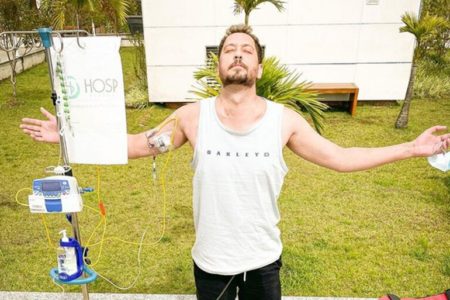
pixel 161 140
pixel 165 137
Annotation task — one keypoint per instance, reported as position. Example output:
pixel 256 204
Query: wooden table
pixel 338 88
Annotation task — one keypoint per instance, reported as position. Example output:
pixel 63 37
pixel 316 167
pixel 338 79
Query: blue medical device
pixel 55 194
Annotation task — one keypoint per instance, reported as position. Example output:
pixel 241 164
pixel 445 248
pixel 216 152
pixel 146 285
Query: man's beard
pixel 238 77
pixel 241 79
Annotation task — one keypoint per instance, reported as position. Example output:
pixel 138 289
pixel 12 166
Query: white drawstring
pixel 245 276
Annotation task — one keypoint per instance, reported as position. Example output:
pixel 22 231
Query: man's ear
pixel 260 71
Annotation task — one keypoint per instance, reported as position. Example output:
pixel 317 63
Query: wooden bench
pixel 338 88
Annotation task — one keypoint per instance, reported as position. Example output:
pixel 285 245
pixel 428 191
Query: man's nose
pixel 238 57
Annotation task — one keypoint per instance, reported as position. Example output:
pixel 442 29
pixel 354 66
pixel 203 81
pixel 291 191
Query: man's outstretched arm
pixel 168 135
pixel 307 143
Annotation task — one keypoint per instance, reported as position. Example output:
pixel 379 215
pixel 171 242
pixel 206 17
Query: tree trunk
pixel 402 119
pixel 246 18
pixel 33 4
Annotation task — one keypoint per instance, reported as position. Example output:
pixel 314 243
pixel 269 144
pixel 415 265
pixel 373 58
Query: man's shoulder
pixel 188 108
pixel 188 113
pixel 292 119
pixel 193 108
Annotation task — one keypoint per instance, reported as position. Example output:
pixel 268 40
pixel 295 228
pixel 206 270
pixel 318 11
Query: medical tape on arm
pixel 163 141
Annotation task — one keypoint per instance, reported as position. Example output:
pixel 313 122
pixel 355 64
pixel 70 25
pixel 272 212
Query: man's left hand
pixel 428 144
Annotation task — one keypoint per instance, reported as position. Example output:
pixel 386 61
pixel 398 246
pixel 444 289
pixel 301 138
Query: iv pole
pixel 47 42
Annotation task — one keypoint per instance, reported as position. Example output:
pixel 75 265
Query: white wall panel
pixel 326 73
pixel 320 44
pixel 177 13
pixel 170 84
pixel 177 46
pixel 384 43
pixel 223 13
pixel 382 81
pixel 325 11
pixel 327 40
pixel 275 40
pixel 388 11
pixel 267 15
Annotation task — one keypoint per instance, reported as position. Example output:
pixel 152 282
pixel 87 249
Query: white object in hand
pixel 440 161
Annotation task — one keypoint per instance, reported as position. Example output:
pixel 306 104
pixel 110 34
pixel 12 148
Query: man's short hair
pixel 242 28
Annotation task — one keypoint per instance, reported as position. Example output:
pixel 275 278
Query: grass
pixel 433 79
pixel 355 235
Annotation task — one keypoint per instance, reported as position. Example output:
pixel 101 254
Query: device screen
pixel 51 186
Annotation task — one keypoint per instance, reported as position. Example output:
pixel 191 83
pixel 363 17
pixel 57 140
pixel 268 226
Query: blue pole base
pixel 81 280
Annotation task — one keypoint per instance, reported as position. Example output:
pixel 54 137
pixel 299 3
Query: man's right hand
pixel 41 130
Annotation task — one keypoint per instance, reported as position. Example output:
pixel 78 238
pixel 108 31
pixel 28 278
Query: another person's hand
pixel 41 130
pixel 428 144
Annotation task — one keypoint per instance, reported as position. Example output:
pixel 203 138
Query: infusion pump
pixel 55 194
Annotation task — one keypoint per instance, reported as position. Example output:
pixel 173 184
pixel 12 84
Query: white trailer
pixel 337 41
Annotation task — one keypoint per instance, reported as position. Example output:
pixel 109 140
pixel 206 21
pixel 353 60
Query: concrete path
pixel 96 296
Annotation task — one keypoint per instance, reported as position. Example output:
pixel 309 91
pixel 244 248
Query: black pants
pixel 259 284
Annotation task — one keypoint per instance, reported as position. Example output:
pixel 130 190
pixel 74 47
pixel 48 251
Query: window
pixel 209 64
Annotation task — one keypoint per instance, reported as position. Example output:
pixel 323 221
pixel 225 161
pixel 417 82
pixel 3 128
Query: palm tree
pixel 249 5
pixel 115 10
pixel 420 28
pixel 62 8
pixel 277 83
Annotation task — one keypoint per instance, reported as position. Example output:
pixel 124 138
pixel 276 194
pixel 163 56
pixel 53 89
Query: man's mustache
pixel 237 63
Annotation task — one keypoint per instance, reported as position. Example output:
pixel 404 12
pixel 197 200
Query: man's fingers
pixel 445 144
pixel 32 121
pixel 38 138
pixel 445 137
pixel 30 127
pixel 435 128
pixel 29 132
pixel 47 114
pixel 33 134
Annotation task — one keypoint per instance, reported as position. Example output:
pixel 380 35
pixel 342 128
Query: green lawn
pixel 358 235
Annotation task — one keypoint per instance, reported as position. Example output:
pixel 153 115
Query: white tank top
pixel 237 181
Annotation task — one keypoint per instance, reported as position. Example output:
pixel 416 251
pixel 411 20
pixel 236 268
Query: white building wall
pixel 325 40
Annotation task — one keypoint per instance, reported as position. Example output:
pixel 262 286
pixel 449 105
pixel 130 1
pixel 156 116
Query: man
pixel 238 139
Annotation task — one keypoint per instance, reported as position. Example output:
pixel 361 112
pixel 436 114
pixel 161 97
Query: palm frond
pixel 115 10
pixel 238 6
pixel 204 90
pixel 281 85
pixel 209 72
pixel 80 4
pixel 431 23
pixel 412 25
pixel 59 14
pixel 426 25
pixel 208 81
pixel 279 4
pixel 249 5
pixel 120 8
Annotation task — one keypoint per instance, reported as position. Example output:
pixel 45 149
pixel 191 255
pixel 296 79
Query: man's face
pixel 238 63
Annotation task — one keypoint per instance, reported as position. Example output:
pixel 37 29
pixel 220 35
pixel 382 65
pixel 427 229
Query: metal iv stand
pixel 47 41
pixel 12 41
